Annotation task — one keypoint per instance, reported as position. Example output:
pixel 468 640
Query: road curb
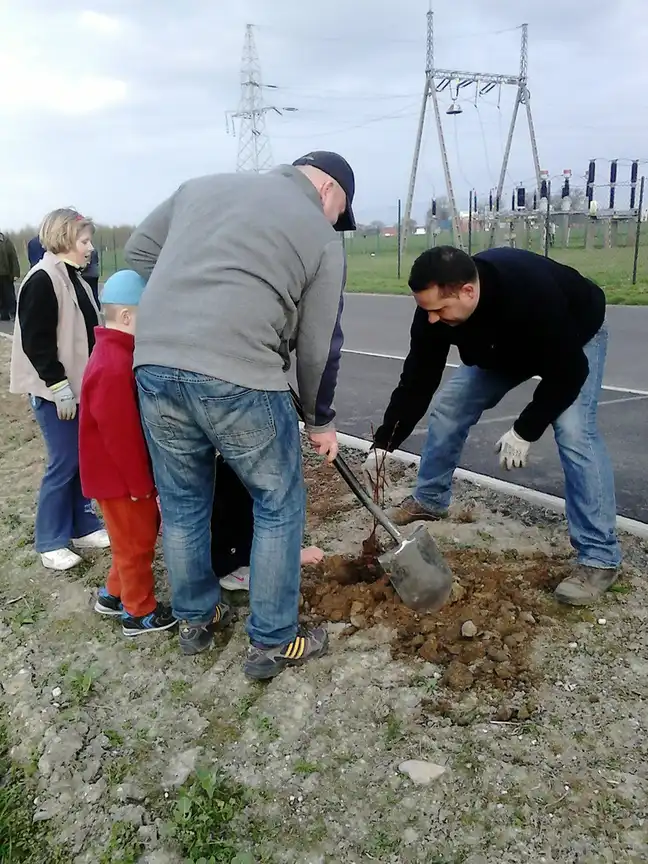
pixel 533 496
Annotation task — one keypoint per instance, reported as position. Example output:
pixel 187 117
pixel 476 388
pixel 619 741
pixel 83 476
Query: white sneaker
pixel 239 580
pixel 60 559
pixel 97 540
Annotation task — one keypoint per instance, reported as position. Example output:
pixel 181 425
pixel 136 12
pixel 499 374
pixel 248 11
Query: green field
pixel 610 268
pixel 372 264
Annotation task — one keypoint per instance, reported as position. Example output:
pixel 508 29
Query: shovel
pixel 416 568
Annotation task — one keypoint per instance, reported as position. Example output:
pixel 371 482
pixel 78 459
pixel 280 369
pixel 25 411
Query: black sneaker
pixel 108 604
pixel 197 636
pixel 161 618
pixel 263 663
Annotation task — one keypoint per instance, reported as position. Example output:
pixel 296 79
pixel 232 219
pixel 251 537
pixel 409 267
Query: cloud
pixel 47 81
pixel 99 22
pixel 138 93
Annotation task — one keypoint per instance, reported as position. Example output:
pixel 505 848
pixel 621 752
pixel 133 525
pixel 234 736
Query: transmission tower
pixel 254 150
pixel 437 80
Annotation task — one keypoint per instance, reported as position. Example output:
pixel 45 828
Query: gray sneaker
pixel 410 510
pixel 264 663
pixel 586 585
pixel 197 636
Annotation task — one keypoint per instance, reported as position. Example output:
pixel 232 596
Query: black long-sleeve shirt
pixel 38 316
pixel 533 317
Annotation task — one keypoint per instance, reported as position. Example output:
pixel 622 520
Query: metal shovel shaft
pixel 356 487
pixel 417 570
pixel 354 484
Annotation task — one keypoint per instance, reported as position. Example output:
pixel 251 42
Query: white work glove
pixel 375 466
pixel 64 399
pixel 513 450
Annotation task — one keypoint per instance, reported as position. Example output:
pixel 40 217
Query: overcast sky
pixel 108 105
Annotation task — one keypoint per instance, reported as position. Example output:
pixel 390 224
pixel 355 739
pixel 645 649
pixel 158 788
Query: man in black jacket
pixel 9 272
pixel 512 315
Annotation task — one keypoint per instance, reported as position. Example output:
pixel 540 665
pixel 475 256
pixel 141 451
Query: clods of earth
pixel 503 729
pixel 483 634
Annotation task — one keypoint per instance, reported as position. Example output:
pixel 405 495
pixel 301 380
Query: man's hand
pixel 64 399
pixel 374 468
pixel 513 450
pixel 325 443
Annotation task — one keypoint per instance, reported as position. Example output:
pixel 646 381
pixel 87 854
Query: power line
pixel 385 39
pixel 396 115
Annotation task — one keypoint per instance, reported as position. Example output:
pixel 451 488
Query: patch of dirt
pixel 485 632
pixel 124 746
pixel 328 494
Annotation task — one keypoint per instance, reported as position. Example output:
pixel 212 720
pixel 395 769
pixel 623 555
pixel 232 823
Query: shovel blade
pixel 419 573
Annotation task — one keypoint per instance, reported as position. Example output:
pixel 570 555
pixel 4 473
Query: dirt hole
pixel 505 597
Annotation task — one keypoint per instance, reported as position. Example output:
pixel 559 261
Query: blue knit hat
pixel 124 288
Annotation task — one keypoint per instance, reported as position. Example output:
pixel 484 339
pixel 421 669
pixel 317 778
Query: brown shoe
pixel 409 510
pixel 586 585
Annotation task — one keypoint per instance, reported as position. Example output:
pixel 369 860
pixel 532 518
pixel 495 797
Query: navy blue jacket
pixel 92 270
pixel 533 318
pixel 35 251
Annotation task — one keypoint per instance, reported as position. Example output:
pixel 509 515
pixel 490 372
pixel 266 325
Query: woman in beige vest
pixel 53 338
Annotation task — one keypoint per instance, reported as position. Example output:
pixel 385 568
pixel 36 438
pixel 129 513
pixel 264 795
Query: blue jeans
pixel 589 478
pixel 64 513
pixel 187 418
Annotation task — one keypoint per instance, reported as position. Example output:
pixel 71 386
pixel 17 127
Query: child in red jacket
pixel 114 463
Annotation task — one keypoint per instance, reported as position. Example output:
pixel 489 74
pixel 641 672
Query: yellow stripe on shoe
pixel 295 651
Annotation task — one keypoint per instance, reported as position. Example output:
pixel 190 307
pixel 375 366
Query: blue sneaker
pixel 161 618
pixel 108 604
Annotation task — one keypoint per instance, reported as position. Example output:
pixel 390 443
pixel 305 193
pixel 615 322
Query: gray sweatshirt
pixel 242 269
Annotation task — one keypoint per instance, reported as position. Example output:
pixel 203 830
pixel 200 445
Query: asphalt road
pixel 376 326
pixel 376 332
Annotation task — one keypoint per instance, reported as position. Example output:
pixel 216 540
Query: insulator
pixel 591 177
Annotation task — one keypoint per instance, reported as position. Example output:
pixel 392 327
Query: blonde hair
pixel 60 229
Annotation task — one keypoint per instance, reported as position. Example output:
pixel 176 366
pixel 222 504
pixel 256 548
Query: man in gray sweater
pixel 242 269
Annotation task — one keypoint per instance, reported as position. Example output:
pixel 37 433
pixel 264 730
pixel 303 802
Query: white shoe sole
pixel 81 543
pixel 131 634
pixel 51 565
pixel 109 613
pixel 233 584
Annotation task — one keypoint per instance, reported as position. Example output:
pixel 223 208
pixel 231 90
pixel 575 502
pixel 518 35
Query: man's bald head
pixel 332 195
pixel 333 178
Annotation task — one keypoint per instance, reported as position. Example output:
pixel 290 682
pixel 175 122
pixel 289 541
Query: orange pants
pixel 133 530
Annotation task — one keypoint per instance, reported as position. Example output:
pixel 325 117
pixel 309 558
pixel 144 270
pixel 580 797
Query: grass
pixel 372 263
pixel 301 766
pixel 82 683
pixel 201 822
pixel 22 841
pixel 610 268
pixel 393 730
pixel 124 845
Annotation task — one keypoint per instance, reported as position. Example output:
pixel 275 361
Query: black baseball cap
pixel 339 169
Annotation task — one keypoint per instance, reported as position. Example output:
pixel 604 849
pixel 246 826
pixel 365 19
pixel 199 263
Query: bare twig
pixel 15 600
pixel 557 801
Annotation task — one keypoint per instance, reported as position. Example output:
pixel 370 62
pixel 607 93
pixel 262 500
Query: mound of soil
pixel 484 633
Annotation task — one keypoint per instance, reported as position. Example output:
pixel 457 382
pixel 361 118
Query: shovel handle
pixel 355 486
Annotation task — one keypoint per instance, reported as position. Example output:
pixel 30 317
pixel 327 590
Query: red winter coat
pixel 113 457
